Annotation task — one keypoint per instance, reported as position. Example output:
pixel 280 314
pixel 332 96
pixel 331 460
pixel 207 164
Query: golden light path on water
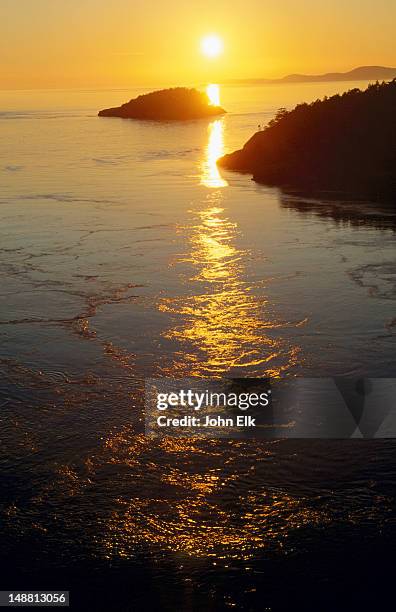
pixel 204 502
pixel 225 324
pixel 210 174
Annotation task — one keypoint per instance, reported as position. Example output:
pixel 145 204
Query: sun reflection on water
pixel 213 93
pixel 210 175
pixel 226 322
pixel 222 322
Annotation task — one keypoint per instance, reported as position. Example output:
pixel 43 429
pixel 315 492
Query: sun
pixel 212 45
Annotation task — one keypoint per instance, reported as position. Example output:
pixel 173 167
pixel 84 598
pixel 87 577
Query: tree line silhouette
pixel 344 143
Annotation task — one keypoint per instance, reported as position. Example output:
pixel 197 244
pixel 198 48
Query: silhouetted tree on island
pixel 343 143
pixel 176 104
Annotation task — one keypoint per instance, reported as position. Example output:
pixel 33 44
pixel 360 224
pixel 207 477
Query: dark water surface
pixel 125 254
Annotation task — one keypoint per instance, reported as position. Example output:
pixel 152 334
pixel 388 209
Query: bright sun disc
pixel 211 46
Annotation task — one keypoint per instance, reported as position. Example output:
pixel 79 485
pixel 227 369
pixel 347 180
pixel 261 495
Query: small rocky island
pixel 176 104
pixel 346 143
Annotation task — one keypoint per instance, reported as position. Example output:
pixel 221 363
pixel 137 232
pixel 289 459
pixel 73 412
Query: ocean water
pixel 126 254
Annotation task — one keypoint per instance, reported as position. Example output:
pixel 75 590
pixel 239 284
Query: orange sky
pixel 122 43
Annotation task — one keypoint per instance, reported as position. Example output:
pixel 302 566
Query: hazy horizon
pixel 230 83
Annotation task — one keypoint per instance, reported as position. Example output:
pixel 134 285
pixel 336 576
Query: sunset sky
pixel 117 43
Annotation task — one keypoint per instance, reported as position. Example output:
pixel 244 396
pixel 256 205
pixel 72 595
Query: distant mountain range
pixel 363 73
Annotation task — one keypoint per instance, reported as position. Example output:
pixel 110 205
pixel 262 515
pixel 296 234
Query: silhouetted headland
pixel 176 104
pixel 346 143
